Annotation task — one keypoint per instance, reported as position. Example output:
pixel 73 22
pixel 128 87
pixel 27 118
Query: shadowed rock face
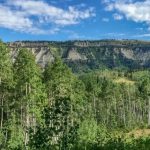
pixel 89 54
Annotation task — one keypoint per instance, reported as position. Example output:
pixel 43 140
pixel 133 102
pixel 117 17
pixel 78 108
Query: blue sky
pixel 74 19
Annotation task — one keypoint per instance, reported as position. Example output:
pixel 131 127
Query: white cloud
pixel 117 16
pixel 105 19
pixel 138 11
pixel 143 35
pixel 13 19
pixel 114 34
pixel 51 13
pixel 109 7
pixel 140 29
pixel 31 15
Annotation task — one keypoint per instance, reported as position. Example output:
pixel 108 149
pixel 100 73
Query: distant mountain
pixel 89 55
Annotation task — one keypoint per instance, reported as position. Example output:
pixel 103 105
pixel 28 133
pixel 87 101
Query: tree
pixel 87 133
pixel 16 134
pixel 144 89
pixel 6 81
pixel 30 97
pixel 65 98
pixel 6 86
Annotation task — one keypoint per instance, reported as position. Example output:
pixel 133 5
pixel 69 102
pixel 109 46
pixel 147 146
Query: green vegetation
pixel 55 109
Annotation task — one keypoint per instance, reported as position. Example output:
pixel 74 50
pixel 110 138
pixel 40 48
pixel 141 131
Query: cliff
pixel 41 50
pixel 89 55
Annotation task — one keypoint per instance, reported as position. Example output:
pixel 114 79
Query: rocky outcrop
pixel 89 54
pixel 74 55
pixel 41 50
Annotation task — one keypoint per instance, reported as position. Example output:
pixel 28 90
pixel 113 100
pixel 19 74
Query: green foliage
pixel 29 87
pixel 144 87
pixel 62 113
pixel 16 135
pixel 121 143
pixel 6 87
pixel 2 140
pixel 87 132
pixel 5 66
pixel 58 110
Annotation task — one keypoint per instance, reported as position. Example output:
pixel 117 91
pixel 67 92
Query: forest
pixel 55 109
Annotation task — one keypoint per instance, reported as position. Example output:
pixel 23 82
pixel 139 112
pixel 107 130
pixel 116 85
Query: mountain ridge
pixel 89 55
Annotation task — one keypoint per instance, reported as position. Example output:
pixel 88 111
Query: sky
pixel 61 20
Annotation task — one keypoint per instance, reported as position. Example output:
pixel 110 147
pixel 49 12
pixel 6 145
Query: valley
pixel 75 95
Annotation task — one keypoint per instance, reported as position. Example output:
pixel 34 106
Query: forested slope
pixel 54 109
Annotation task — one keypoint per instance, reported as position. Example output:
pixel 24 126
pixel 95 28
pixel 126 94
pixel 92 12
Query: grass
pixel 124 80
pixel 139 133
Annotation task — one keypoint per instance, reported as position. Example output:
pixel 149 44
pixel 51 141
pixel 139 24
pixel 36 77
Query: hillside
pixel 53 108
pixel 90 55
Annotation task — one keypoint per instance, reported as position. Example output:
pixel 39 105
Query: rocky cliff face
pixel 85 55
pixel 41 50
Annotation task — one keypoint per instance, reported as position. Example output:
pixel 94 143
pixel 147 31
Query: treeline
pixel 55 109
